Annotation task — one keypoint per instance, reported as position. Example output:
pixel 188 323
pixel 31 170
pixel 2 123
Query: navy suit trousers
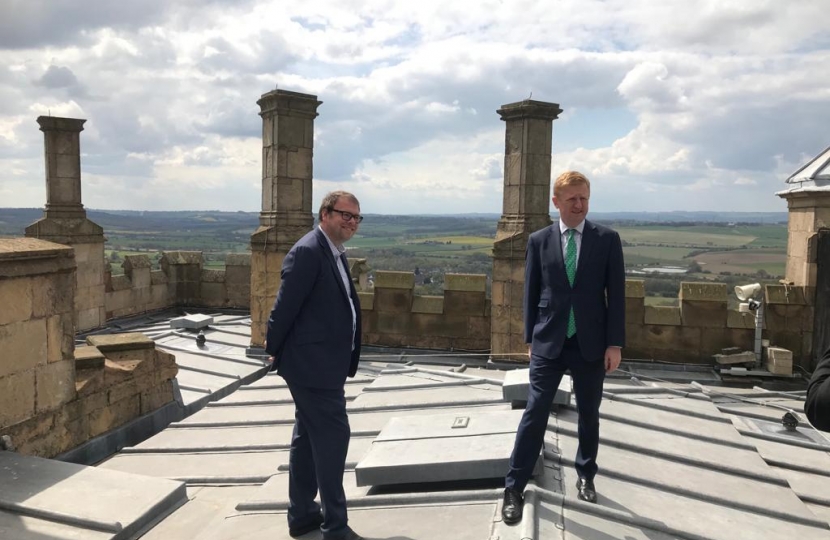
pixel 317 458
pixel 545 376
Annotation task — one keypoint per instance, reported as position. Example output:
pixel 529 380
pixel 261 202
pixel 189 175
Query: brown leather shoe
pixel 586 490
pixel 511 509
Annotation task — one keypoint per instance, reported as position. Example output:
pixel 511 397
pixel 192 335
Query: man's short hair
pixel 331 199
pixel 570 178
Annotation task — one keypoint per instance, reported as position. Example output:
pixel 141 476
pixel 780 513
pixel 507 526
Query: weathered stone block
pixel 635 288
pixel 393 300
pixel 17 397
pixel 703 292
pixel 705 314
pixel 55 385
pixel 90 381
pixel 423 324
pixel 661 315
pixel 394 280
pixel 238 259
pixel 165 367
pixel 117 414
pixel 713 340
pixel 425 304
pixel 53 294
pixel 464 303
pixel 784 294
pixel 779 361
pixel 735 319
pixel 634 310
pixel 16 298
pixel 156 397
pixel 107 343
pixel 214 294
pixel 465 282
pixel 367 300
pixel 394 323
pixel 479 328
pixel 88 357
pixel 24 346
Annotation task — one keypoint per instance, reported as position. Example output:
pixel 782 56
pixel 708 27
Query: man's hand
pixel 613 357
pixel 529 348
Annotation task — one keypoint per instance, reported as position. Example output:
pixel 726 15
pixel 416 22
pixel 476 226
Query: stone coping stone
pixel 88 357
pixel 388 279
pixel 367 300
pixel 440 448
pixel 24 248
pixel 785 294
pixel 465 282
pixel 132 262
pixel 120 342
pixel 238 259
pixel 86 497
pixel 182 257
pixel 705 292
pixel 517 382
pixel 192 322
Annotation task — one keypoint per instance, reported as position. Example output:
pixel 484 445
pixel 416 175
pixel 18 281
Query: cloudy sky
pixel 669 105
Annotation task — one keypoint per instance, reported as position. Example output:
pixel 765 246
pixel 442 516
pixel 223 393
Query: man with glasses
pixel 314 340
pixel 574 316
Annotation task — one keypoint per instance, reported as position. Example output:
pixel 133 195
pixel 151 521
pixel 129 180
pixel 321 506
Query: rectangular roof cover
pixel 440 448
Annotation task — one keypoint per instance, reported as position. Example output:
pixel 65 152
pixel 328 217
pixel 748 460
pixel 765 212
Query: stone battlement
pixel 182 281
pixel 393 315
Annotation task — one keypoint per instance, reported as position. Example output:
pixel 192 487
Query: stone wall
pixel 702 325
pixel 119 379
pixel 394 316
pixel 182 281
pixel 37 328
pixel 52 399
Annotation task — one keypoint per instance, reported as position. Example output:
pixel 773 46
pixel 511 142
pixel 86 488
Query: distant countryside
pixel 720 247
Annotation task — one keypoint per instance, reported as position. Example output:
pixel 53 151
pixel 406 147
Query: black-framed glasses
pixel 347 216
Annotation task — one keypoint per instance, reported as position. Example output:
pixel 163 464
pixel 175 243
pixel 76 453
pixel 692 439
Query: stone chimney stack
pixel 64 219
pixel 526 208
pixel 287 156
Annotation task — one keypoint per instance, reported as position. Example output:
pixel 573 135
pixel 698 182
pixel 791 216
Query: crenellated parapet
pixel 702 324
pixel 394 316
pixel 182 281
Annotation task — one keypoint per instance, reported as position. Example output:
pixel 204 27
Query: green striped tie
pixel 570 269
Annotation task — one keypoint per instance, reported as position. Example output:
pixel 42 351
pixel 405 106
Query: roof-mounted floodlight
pixel 747 292
pixel 751 299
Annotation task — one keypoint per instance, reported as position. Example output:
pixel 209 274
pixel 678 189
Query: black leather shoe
pixel 350 535
pixel 312 525
pixel 586 492
pixel 511 510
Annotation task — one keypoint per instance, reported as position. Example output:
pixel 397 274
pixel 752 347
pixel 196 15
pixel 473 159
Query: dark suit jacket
pixel 597 297
pixel 817 405
pixel 310 328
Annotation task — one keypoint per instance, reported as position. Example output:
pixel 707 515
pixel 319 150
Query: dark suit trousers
pixel 318 457
pixel 545 376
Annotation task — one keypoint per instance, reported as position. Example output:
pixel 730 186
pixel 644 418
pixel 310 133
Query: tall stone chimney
pixel 526 208
pixel 64 219
pixel 287 156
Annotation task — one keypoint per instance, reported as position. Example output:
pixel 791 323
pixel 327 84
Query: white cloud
pixel 685 101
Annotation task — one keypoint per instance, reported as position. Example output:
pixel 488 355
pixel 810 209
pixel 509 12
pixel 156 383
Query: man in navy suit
pixel 574 315
pixel 314 339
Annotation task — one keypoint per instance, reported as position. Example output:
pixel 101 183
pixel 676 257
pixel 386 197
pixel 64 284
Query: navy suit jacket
pixel 597 296
pixel 310 327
